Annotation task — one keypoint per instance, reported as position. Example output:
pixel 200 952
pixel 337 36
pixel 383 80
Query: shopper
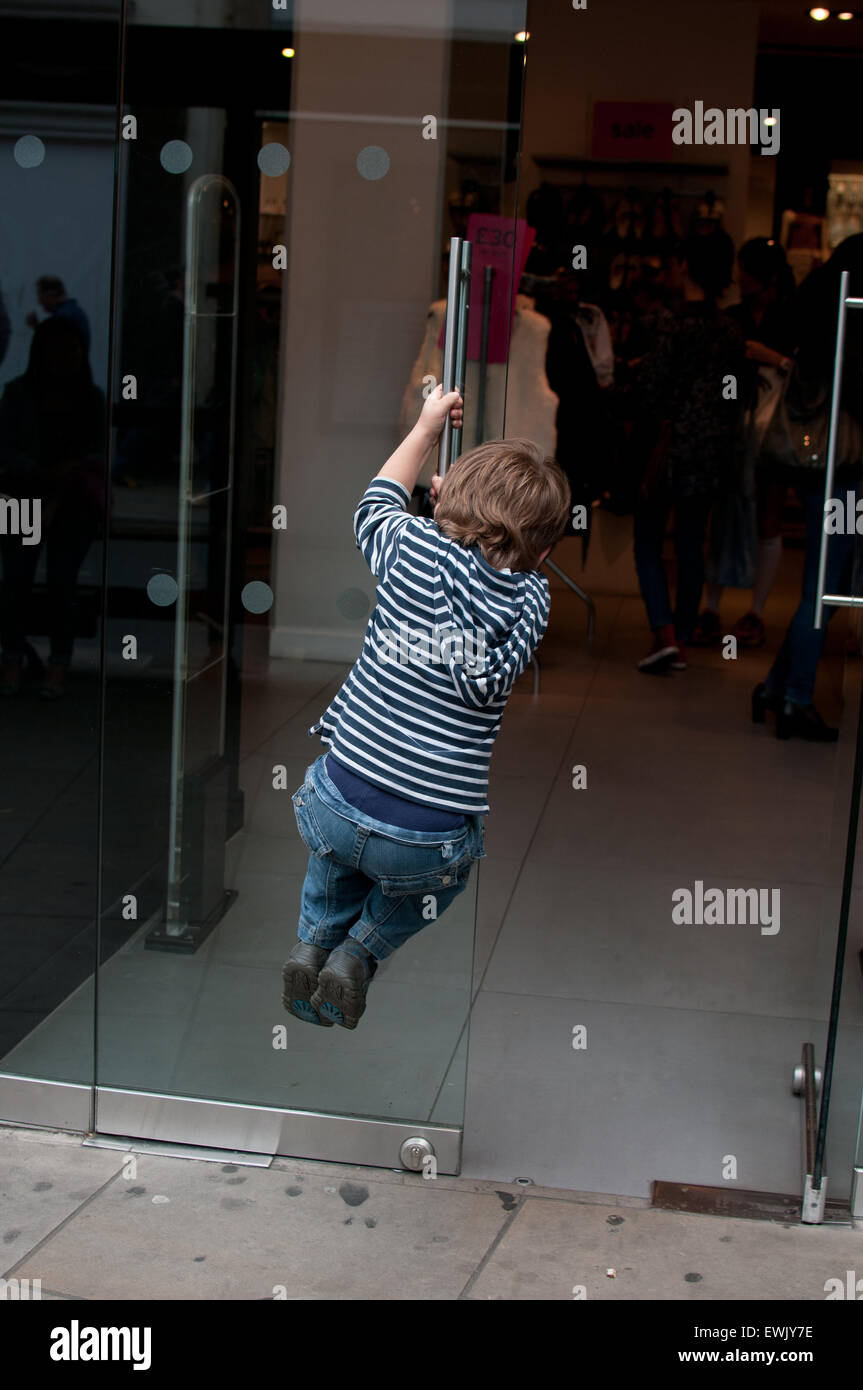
pixel 392 814
pixel 789 687
pixel 765 316
pixel 52 453
pixel 54 299
pixel 682 386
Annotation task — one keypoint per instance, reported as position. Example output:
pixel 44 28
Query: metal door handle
pixel 838 600
pixel 455 341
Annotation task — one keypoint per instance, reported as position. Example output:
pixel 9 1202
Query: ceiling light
pixel 819 13
pixel 846 14
pixel 522 36
pixel 288 52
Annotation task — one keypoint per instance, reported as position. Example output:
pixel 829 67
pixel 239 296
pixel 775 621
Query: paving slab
pixel 106 1224
pixel 44 1179
pixel 180 1230
pixel 556 1250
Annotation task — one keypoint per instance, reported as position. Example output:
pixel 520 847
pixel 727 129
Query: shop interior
pixel 558 1023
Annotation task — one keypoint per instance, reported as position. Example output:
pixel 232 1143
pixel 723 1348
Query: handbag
pixel 797 432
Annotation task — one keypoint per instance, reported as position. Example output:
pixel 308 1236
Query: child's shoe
pixel 301 980
pixel 342 984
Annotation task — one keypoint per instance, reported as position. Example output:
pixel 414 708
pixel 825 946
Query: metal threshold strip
pixel 227 1131
pixel 740 1202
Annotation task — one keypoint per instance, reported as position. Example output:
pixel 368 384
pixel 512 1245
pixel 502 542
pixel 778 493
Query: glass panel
pixel 278 390
pixel 630 798
pixel 58 120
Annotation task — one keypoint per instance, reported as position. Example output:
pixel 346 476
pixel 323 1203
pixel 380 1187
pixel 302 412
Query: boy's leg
pixel 396 907
pixel 388 921
pixel 332 899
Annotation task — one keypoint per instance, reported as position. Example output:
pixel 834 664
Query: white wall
pixel 361 275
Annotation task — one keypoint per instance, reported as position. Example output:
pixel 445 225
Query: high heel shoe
pixel 803 721
pixel 762 701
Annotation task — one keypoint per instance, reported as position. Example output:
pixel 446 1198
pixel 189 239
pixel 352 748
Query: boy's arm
pixel 382 515
pixel 495 676
pixel 406 464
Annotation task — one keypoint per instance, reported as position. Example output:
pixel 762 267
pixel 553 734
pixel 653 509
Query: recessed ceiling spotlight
pixel 846 14
pixel 819 13
pixel 288 52
pixel 522 36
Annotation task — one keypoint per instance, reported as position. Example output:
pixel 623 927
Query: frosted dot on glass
pixel 162 590
pixel 373 162
pixel 353 603
pixel 29 151
pixel 274 159
pixel 175 157
pixel 257 597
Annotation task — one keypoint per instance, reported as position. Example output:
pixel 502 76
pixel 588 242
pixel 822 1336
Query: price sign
pixel 504 243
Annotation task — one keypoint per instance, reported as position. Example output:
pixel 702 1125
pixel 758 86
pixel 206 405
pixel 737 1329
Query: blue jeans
pixel 690 527
pixel 792 675
pixel 373 882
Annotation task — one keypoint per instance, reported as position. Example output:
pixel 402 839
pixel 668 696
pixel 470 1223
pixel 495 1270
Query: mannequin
pixel 531 405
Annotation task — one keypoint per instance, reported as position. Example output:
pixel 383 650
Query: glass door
pixel 58 133
pixel 287 191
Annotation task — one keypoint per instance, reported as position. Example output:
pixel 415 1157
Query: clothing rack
pixel 454 371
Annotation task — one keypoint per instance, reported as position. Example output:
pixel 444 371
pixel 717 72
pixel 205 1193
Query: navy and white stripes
pixel 449 637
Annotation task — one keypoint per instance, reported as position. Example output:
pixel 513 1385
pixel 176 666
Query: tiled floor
pixel 690 1033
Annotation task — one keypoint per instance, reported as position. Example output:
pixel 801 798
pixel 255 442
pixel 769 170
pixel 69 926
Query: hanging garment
pixel 531 405
pixel 597 339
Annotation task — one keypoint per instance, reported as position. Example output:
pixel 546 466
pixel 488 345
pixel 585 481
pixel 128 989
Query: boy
pixel 393 812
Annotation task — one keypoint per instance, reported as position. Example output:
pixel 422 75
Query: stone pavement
pixel 96 1223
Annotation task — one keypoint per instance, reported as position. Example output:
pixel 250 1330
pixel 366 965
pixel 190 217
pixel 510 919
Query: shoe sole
pixel 658 661
pixel 784 733
pixel 339 1001
pixel 300 985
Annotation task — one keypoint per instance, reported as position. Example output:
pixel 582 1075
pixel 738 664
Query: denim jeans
pixel 792 675
pixel 690 528
pixel 370 881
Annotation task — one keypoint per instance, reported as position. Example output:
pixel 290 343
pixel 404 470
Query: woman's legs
pixel 19 570
pixel 690 529
pixel 651 519
pixel 792 675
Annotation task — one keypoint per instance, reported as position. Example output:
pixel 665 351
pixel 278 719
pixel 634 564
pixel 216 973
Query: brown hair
pixel 506 497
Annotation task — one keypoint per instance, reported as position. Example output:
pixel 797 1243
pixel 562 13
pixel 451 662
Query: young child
pixel 392 814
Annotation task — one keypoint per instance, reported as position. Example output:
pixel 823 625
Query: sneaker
pixel 300 975
pixel 661 654
pixel 678 663
pixel 749 631
pixel 708 631
pixel 342 985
